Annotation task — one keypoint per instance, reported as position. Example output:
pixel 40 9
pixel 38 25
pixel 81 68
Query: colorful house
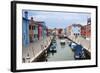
pixel 42 30
pixel 86 29
pixel 73 30
pixel 76 29
pixel 25 29
pixel 35 29
pixel 31 30
pixel 44 33
pixel 68 30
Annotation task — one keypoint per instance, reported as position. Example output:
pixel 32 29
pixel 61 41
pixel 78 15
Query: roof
pixel 25 19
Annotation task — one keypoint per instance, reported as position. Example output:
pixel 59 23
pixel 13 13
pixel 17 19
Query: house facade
pixel 68 30
pixel 25 30
pixel 73 30
pixel 76 30
pixel 35 29
pixel 86 29
pixel 32 30
pixel 42 30
pixel 39 31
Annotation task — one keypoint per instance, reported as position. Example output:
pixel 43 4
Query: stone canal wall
pixel 85 43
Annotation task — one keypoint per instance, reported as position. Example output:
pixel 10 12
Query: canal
pixel 60 52
pixel 57 51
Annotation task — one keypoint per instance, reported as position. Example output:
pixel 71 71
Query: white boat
pixel 62 41
pixel 72 45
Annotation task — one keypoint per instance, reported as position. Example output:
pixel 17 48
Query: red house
pixel 83 31
pixel 86 30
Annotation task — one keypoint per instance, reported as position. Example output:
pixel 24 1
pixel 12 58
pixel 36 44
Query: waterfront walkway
pixel 31 52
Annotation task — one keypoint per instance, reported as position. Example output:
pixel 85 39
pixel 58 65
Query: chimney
pixel 26 15
pixel 89 21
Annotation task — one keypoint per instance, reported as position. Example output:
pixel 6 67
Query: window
pixel 34 27
pixel 29 27
pixel 34 36
pixel 37 35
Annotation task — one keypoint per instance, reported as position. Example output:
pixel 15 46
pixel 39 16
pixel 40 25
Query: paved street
pixel 34 49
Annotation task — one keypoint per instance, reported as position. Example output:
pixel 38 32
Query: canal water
pixel 60 52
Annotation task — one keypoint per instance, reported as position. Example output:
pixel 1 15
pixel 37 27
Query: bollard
pixel 23 60
pixel 28 58
pixel 33 51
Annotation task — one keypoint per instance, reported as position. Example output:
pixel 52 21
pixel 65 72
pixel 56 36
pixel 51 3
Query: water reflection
pixel 62 45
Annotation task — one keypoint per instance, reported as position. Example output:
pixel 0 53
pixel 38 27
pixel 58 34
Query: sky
pixel 58 19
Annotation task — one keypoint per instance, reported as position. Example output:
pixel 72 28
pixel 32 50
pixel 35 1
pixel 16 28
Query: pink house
pixel 39 31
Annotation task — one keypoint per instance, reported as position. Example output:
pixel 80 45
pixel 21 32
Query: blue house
pixel 25 30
